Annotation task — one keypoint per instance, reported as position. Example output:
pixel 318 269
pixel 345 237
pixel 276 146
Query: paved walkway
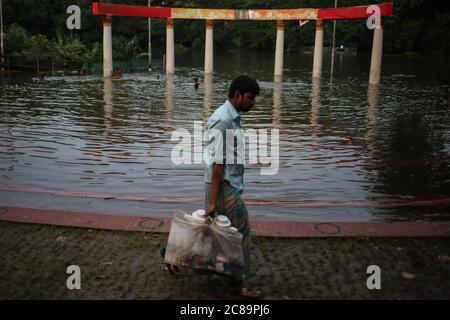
pixel 127 265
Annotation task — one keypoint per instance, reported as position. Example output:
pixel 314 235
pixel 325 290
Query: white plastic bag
pixel 203 245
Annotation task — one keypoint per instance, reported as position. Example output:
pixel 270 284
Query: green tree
pixel 17 42
pixel 94 53
pixel 70 51
pixel 125 49
pixel 417 26
pixel 40 48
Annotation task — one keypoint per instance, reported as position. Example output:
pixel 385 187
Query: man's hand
pixel 215 184
pixel 210 210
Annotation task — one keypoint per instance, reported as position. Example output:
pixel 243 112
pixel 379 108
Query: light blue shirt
pixel 224 118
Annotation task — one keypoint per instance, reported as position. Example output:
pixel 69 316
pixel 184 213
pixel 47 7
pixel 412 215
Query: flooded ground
pixel 347 151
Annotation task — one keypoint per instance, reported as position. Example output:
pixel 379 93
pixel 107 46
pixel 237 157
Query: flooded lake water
pixel 347 151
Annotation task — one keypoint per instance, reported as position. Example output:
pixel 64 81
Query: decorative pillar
pixel 318 50
pixel 107 47
pixel 170 51
pixel 377 54
pixel 279 52
pixel 209 47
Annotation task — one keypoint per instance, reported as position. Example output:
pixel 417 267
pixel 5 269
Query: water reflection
pixel 277 79
pixel 414 161
pixel 371 117
pixel 365 143
pixel 107 101
pixel 315 105
pixel 207 99
pixel 277 93
pixel 169 102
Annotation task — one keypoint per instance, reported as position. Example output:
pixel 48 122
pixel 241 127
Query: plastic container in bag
pixel 204 244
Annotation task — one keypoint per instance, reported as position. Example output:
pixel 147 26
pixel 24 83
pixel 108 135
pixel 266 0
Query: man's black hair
pixel 243 84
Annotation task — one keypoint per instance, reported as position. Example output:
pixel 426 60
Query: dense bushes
pixel 419 26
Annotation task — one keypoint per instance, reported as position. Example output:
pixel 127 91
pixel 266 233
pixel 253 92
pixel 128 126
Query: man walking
pixel 224 179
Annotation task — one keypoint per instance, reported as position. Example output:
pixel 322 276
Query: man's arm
pixel 215 185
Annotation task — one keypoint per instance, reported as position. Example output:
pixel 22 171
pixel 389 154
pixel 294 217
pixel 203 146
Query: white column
pixel 209 47
pixel 149 39
pixel 170 51
pixel 107 47
pixel 377 55
pixel 279 51
pixel 318 50
pixel 2 50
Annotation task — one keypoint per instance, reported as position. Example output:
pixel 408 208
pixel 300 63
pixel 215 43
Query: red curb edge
pixel 292 229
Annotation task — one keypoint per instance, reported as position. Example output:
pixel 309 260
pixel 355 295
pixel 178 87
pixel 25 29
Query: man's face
pixel 246 102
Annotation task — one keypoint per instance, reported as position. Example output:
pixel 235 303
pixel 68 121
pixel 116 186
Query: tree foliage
pixel 37 29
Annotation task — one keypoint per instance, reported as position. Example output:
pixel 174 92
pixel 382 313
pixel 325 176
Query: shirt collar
pixel 232 110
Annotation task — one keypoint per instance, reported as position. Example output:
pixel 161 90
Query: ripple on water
pixel 337 141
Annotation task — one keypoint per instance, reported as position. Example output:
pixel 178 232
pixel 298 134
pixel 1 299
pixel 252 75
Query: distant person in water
pixel 196 84
pixel 117 74
pixel 41 75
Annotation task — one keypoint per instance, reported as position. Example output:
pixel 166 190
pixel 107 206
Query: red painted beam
pixel 360 12
pixel 130 11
